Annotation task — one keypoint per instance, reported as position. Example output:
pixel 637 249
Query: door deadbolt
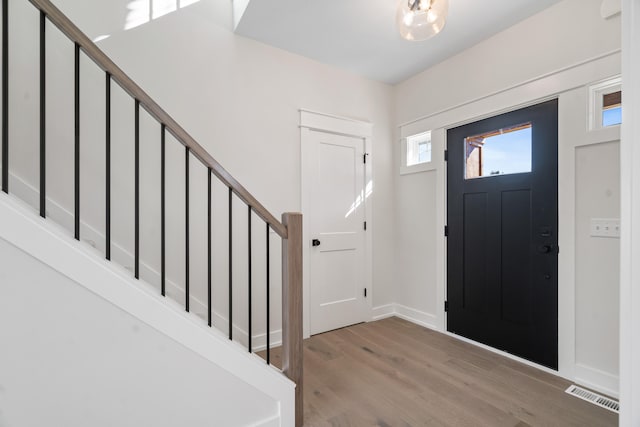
pixel 315 242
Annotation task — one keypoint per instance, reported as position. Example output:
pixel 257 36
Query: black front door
pixel 502 246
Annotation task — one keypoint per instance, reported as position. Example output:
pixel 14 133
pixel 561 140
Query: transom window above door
pixel 498 152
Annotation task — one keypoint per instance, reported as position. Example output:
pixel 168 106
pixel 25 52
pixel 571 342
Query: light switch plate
pixel 605 227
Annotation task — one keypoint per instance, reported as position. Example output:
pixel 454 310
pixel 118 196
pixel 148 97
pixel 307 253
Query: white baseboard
pixel 418 317
pixel 383 311
pixel 597 380
pixel 413 315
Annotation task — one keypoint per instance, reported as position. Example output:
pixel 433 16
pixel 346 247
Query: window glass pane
pixel 612 109
pixel 419 149
pixel 500 152
pixel 612 117
pixel 424 152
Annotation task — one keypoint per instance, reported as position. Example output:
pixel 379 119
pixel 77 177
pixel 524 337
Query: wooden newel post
pixel 292 306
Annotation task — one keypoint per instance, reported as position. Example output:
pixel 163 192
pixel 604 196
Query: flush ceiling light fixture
pixel 421 19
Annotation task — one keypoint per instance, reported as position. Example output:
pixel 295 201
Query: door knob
pixel 315 242
pixel 545 249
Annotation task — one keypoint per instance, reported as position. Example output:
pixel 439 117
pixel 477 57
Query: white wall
pixel 558 50
pixel 597 263
pixel 237 97
pixel 247 96
pixel 70 358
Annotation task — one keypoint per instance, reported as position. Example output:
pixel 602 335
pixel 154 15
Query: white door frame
pixel 321 122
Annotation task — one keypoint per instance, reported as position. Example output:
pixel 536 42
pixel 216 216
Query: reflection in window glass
pixel 419 149
pixel 500 152
pixel 612 109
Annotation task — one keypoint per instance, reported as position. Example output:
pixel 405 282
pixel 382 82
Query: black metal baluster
pixel 249 274
pixel 76 167
pixel 186 217
pixel 137 190
pixel 268 304
pixel 209 247
pixel 5 96
pixel 107 202
pixel 230 264
pixel 163 266
pixel 43 121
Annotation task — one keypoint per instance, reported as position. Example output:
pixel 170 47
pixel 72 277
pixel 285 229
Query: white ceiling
pixel 360 35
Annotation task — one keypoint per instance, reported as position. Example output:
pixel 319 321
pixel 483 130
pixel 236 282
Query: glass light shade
pixel 421 19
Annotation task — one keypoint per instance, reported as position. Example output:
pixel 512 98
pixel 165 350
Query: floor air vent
pixel 594 398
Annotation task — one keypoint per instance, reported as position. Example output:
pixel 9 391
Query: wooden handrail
pixel 57 18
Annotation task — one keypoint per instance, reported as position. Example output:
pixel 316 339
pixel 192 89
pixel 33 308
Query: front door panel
pixel 502 248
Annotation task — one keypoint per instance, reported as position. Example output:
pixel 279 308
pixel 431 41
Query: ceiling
pixel 360 35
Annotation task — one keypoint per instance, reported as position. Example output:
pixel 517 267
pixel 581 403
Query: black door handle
pixel 545 249
pixel 315 242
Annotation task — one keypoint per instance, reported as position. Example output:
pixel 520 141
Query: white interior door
pixel 336 231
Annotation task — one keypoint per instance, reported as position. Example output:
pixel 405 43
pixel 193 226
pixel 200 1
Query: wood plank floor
pixel 394 373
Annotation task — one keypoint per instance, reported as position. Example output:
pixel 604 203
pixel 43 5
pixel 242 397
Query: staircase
pixel 288 230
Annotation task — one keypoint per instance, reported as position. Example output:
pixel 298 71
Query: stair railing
pixel 290 229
